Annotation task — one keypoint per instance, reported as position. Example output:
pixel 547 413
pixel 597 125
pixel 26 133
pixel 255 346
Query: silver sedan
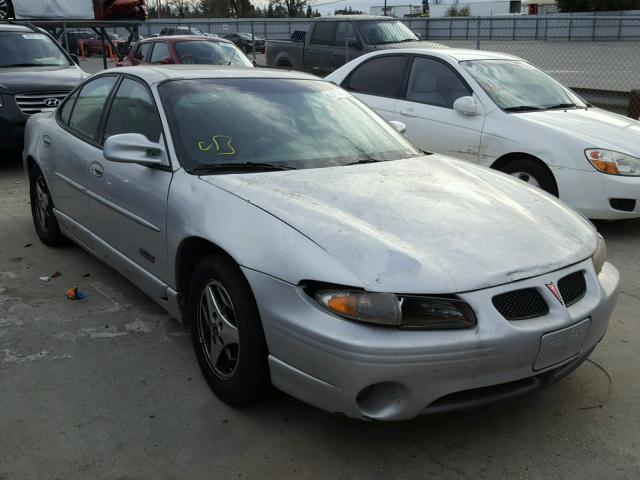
pixel 311 247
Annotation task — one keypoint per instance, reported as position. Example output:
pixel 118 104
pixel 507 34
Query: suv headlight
pixel 404 311
pixel 600 255
pixel 613 163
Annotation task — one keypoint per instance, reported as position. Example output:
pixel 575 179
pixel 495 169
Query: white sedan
pixel 500 111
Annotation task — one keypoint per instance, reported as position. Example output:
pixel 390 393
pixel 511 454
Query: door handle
pixel 46 141
pixel 96 169
pixel 408 113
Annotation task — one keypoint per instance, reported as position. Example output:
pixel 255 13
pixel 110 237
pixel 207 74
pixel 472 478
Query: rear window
pixel 211 53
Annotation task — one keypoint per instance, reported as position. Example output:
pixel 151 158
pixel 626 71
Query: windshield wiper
pixel 523 108
pixel 239 166
pixel 28 65
pixel 561 105
pixel 366 160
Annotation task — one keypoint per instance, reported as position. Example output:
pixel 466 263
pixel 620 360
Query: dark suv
pixel 36 74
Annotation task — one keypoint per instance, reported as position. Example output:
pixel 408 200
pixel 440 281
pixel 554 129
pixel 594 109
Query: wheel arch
pixel 190 251
pixel 504 160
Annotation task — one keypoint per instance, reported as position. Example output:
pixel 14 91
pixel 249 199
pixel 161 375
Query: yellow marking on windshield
pixel 223 147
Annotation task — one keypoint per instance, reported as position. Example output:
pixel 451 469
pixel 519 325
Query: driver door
pixel 427 110
pixel 127 208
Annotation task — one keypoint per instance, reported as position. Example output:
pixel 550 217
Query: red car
pixel 120 9
pixel 94 44
pixel 186 49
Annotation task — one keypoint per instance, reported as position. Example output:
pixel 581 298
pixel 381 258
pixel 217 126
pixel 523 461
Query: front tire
pixel 534 173
pixel 227 332
pixel 6 10
pixel 44 220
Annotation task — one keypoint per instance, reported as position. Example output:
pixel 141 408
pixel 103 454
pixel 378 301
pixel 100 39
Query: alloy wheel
pixel 4 9
pixel 527 177
pixel 42 203
pixel 218 330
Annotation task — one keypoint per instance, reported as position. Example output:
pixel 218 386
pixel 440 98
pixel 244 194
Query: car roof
pixel 354 17
pixel 457 54
pixel 183 38
pixel 154 74
pixel 12 27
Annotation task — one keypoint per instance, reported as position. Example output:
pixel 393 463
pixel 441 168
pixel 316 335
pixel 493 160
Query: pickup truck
pixel 331 42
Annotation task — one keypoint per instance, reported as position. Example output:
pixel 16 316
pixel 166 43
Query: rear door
pixel 318 54
pixel 127 208
pixel 427 110
pixel 142 54
pixel 73 151
pixel 378 82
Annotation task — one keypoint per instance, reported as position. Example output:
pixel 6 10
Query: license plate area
pixel 561 345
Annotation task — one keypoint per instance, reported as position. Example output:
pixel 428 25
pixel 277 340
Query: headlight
pixel 613 163
pixel 399 311
pixel 600 255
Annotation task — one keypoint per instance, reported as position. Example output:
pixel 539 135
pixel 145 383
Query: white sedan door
pixel 428 112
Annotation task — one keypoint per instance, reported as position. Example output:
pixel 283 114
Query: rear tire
pixel 533 172
pixel 227 332
pixel 44 220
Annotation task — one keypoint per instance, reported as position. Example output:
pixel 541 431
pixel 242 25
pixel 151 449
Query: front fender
pixel 255 239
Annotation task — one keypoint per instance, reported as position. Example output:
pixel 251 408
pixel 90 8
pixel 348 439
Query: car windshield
pixel 282 122
pixel 518 86
pixel 211 53
pixel 377 33
pixel 29 49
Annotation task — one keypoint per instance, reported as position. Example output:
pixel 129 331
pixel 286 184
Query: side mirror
pixel 466 106
pixel 354 43
pixel 399 126
pixel 166 61
pixel 134 148
pixel 75 58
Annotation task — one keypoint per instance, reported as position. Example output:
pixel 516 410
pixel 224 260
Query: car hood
pixel 594 127
pixel 41 79
pixel 423 225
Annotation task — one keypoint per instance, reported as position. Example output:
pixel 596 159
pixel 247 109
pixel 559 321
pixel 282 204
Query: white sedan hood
pixel 425 225
pixel 596 128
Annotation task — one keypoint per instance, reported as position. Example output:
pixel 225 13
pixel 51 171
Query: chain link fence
pixel 597 56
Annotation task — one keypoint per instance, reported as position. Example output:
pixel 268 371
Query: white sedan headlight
pixel 600 255
pixel 613 163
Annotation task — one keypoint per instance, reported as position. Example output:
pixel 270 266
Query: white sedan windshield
pixel 518 86
pixel 293 123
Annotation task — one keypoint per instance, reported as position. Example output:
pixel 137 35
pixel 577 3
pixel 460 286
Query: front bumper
pixel 365 371
pixel 591 192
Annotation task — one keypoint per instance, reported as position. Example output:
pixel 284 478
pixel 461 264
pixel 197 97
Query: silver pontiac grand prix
pixel 311 247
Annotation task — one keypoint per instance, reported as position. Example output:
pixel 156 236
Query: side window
pixel 434 83
pixel 344 32
pixel 133 111
pixel 324 33
pixel 160 50
pixel 142 53
pixel 65 111
pixel 380 76
pixel 87 112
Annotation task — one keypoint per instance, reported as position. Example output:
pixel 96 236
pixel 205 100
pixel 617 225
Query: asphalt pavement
pixel 109 388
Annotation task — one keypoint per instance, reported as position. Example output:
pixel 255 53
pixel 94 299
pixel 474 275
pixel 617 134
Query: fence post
pixel 619 28
pixel 426 28
pixel 253 41
pixel 634 104
pixel 478 33
pixel 513 30
pixel 570 25
pixel 537 26
pixel 66 37
pixel 593 29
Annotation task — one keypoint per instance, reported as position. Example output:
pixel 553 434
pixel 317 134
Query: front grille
pixel 31 103
pixel 572 288
pixel 521 304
